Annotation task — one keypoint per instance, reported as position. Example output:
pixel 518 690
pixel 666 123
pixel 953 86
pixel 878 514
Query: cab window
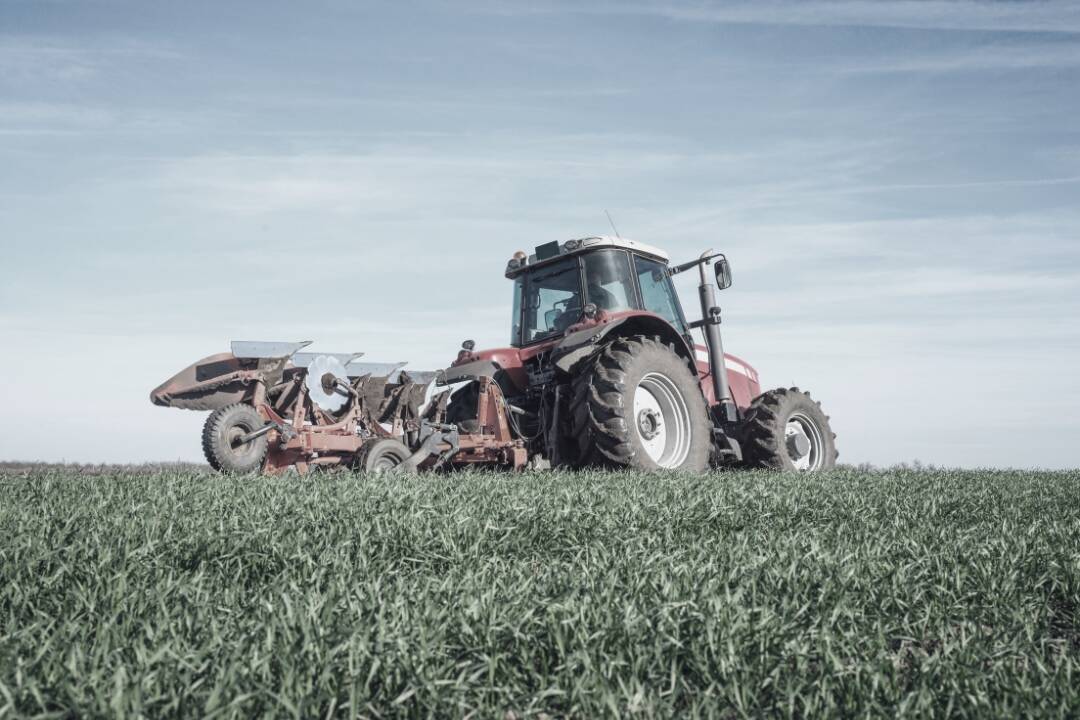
pixel 609 285
pixel 657 293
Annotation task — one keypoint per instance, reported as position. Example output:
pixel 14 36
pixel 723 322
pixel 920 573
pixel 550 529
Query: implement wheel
pixel 381 456
pixel 785 429
pixel 637 405
pixel 221 441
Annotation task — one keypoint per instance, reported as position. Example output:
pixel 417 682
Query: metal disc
pixel 316 369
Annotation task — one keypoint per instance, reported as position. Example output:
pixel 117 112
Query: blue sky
pixel 896 185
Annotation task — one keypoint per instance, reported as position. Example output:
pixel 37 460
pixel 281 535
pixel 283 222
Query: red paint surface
pixel 512 360
pixel 743 388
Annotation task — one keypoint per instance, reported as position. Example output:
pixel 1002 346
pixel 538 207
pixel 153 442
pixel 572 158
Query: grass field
pixel 173 592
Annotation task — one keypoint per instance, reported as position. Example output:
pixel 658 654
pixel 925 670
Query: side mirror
pixel 723 273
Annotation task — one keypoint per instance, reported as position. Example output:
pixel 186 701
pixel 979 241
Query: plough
pixel 274 407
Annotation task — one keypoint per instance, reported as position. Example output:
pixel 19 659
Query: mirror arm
pixel 705 258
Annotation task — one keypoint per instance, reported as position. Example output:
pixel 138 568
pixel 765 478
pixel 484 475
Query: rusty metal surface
pixel 209 384
pixel 302 434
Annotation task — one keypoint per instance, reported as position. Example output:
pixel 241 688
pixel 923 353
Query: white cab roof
pixel 580 245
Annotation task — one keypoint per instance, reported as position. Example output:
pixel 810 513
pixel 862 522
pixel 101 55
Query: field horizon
pixel 896 592
pixel 97 468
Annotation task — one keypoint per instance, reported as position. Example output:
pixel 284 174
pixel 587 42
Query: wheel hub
pixel 662 420
pixel 803 441
pixel 234 439
pixel 798 445
pixel 649 423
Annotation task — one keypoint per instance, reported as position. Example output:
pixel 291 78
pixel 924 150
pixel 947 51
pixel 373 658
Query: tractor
pixel 602 370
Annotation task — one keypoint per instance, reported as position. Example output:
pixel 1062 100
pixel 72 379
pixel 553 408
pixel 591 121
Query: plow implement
pixel 274 408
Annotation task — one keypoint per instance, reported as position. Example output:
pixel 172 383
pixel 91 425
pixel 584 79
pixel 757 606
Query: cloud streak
pixel 1057 16
pixel 33 60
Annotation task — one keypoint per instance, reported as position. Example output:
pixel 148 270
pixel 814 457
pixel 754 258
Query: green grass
pixel 170 592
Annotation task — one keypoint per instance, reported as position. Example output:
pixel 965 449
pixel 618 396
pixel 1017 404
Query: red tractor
pixel 602 370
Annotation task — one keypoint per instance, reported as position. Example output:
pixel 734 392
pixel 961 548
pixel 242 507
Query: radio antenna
pixel 613 225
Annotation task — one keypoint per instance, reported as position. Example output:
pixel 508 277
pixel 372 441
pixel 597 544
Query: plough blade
pixel 306 358
pixel 266 350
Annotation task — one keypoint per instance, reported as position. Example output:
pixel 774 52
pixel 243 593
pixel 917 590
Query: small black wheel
pixel 784 429
pixel 382 456
pixel 637 405
pixel 221 439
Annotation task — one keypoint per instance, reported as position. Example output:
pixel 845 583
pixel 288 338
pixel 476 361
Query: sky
pixel 896 185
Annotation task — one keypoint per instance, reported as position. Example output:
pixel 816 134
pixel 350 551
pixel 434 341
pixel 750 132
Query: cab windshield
pixel 548 300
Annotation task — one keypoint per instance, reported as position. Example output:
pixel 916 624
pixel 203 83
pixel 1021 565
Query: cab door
pixel 657 293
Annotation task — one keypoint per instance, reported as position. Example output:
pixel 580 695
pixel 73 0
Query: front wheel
pixel 784 429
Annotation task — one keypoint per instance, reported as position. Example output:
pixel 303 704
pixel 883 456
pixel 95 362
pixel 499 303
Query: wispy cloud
pixel 981 57
pixel 1056 16
pixel 26 60
pixel 1059 16
pixel 33 118
pixel 441 177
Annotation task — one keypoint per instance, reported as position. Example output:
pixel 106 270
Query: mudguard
pixel 582 344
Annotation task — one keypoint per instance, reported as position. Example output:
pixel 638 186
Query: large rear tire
pixel 221 439
pixel 637 405
pixel 784 429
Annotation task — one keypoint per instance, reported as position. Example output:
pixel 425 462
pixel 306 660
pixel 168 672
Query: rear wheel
pixel 638 405
pixel 222 439
pixel 381 456
pixel 785 429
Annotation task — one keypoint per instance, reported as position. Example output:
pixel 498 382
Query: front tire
pixel 784 429
pixel 637 405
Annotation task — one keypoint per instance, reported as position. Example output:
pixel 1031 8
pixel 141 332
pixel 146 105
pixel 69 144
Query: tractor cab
pixel 562 285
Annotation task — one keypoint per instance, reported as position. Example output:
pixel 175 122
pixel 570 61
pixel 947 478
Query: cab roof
pixel 552 251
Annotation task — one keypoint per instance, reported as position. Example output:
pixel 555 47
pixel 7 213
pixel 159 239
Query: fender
pixel 582 344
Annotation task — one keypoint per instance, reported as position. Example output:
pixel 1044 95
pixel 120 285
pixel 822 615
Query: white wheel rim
pixel 801 428
pixel 662 420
